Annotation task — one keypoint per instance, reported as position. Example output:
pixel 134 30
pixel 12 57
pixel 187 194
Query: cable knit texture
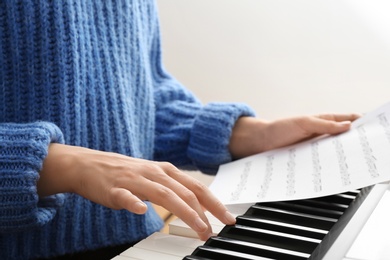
pixel 89 73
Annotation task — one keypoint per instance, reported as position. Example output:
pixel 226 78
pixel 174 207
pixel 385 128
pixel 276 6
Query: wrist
pixel 248 137
pixel 56 173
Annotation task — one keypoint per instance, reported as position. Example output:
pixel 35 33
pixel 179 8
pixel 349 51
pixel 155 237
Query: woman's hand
pixel 121 182
pixel 252 135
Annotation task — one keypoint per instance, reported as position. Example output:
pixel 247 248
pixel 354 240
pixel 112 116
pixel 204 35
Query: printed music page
pixel 319 167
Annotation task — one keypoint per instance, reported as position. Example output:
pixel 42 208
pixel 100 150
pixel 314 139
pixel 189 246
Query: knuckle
pixel 152 168
pixel 188 211
pixel 323 116
pixel 114 199
pixel 189 196
pixel 165 164
pixel 218 205
pixel 164 193
pixel 168 167
pixel 198 187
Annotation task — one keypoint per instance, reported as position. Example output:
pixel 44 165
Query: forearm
pixel 248 137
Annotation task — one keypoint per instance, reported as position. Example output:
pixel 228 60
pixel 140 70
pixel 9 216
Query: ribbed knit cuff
pixel 211 132
pixel 23 147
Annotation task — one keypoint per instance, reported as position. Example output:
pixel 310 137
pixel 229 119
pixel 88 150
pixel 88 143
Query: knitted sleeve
pixel 193 136
pixel 23 148
pixel 189 134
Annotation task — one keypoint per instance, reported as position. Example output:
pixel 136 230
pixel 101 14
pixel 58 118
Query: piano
pixel 329 228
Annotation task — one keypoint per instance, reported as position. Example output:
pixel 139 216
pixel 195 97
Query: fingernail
pixel 230 219
pixel 345 123
pixel 201 226
pixel 205 237
pixel 139 207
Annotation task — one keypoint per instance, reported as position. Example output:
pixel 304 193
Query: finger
pixel 182 192
pixel 204 196
pixel 156 186
pixel 170 200
pixel 339 117
pixel 124 199
pixel 317 126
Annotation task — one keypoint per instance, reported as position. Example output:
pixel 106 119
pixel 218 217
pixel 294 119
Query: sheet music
pixel 322 166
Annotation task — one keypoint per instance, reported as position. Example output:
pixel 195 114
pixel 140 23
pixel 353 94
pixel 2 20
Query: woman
pixel 92 127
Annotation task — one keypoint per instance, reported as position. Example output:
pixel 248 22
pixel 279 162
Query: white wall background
pixel 282 57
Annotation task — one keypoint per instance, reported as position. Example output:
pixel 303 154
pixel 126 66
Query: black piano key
pixel 195 257
pixel 295 207
pixel 322 204
pixel 301 229
pixel 274 239
pixel 223 254
pixel 352 192
pixel 338 228
pixel 254 249
pixel 343 199
pixel 281 227
pixel 291 218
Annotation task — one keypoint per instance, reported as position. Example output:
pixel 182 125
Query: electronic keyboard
pixel 316 228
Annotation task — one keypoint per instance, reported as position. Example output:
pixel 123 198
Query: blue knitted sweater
pixel 89 73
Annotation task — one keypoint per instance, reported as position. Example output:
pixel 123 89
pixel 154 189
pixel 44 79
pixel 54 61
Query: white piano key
pixel 238 209
pixel 213 220
pixel 179 228
pixel 170 244
pixel 144 254
pixel 159 247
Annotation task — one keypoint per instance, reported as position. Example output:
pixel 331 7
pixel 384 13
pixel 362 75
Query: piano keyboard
pixel 319 228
